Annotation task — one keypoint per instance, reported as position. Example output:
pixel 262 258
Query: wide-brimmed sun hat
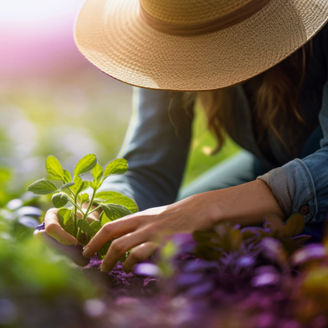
pixel 194 44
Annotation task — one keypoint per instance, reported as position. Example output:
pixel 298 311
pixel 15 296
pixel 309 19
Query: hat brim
pixel 112 35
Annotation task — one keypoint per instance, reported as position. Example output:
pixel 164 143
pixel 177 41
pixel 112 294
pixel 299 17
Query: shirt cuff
pixel 293 187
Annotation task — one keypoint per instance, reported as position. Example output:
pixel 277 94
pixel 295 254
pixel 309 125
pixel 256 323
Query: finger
pixel 139 254
pixel 54 229
pixel 110 231
pixel 121 245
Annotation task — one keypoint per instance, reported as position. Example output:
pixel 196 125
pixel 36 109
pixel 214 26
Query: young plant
pixel 77 198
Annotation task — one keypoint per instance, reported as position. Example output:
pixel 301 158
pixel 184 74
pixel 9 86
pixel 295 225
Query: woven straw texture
pixel 190 11
pixel 114 37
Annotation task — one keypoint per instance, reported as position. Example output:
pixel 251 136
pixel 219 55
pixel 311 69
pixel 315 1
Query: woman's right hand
pixel 55 230
pixel 55 236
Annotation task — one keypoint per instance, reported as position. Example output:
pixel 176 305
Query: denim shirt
pixel 158 140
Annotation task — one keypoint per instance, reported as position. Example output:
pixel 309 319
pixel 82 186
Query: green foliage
pixel 42 187
pixel 54 168
pixel 114 211
pixel 166 255
pixel 113 197
pixel 75 206
pixel 60 199
pixel 118 166
pixel 97 172
pixel 35 279
pixel 66 220
pixel 279 238
pixel 5 176
pixel 85 164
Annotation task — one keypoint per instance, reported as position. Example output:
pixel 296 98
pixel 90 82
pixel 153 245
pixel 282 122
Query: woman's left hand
pixel 244 204
pixel 143 231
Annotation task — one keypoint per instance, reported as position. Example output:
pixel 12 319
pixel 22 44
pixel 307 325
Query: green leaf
pixel 294 225
pixel 67 185
pixel 93 184
pixel 113 211
pixel 114 197
pixel 97 172
pixel 85 164
pixel 54 168
pixel 85 227
pixel 42 187
pixel 67 176
pixel 79 185
pixel 95 226
pixel 83 198
pixel 168 251
pixel 59 200
pixel 118 166
pixel 66 220
pixel 274 223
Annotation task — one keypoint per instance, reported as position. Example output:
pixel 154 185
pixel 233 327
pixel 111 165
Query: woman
pixel 279 115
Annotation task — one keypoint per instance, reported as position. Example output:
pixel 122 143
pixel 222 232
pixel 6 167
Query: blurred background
pixel 52 101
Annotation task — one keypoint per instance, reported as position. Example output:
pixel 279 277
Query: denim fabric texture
pixel 158 140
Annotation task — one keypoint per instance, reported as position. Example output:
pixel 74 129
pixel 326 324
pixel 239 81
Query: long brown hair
pixel 276 102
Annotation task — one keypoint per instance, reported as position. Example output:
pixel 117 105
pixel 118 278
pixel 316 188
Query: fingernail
pixel 86 251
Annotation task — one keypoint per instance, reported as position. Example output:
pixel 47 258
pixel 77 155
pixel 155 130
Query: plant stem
pixel 95 209
pixel 75 214
pixel 75 204
pixel 90 204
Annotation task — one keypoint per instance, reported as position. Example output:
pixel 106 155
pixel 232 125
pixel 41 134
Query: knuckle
pixel 106 228
pixel 136 255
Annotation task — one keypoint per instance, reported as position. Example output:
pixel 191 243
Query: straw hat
pixel 194 44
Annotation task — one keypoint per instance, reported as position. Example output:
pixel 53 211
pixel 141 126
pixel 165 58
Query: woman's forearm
pixel 245 204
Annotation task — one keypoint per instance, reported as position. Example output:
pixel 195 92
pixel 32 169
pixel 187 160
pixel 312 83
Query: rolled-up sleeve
pixel 301 185
pixel 156 147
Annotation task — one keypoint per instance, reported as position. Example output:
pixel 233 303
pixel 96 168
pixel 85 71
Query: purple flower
pixel 201 289
pixel 187 279
pixel 265 276
pixel 309 253
pixel 30 211
pixel 29 222
pixel 146 269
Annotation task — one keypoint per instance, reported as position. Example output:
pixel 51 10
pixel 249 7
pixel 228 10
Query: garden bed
pixel 228 277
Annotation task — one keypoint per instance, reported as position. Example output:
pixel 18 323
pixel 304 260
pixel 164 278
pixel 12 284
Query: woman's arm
pixel 302 184
pixel 244 204
pixel 156 147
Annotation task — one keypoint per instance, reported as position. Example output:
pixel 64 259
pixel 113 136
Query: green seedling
pixel 77 198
